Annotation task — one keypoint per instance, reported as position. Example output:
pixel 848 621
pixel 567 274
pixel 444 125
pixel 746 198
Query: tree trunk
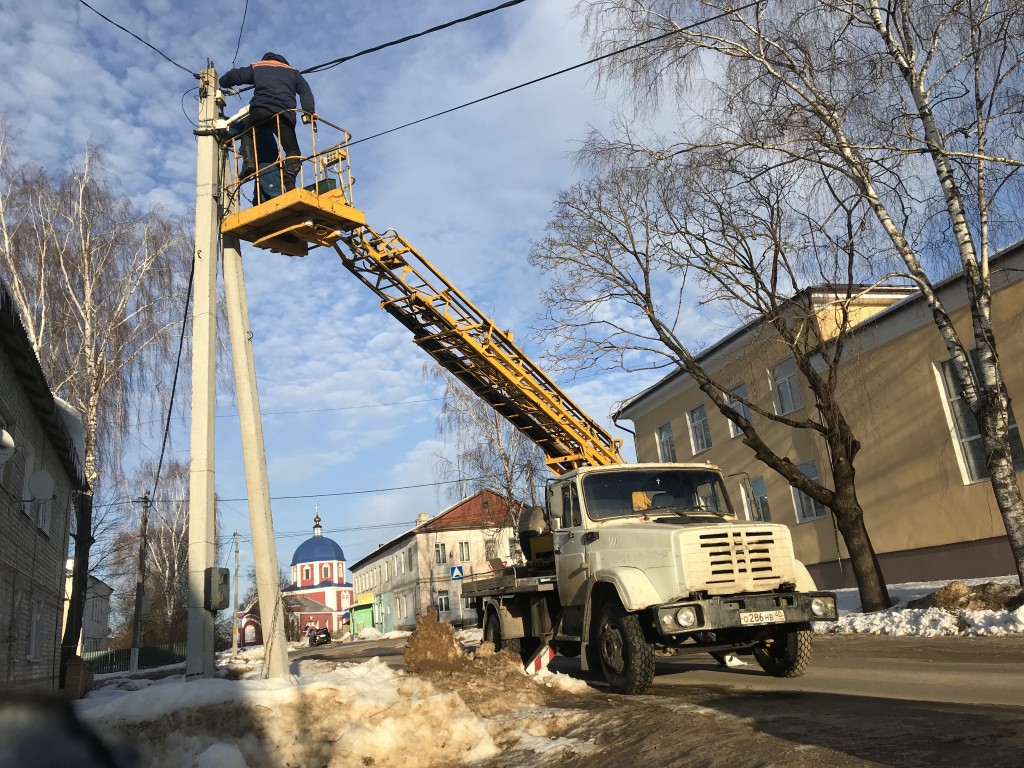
pixel 79 584
pixel 1003 477
pixel 870 582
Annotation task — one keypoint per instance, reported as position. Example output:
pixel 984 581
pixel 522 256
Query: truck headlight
pixel 821 606
pixel 668 623
pixel 686 617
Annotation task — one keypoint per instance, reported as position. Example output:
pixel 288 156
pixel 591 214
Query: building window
pixel 739 391
pixel 786 387
pixel 666 446
pixel 806 507
pixel 443 605
pixel 700 430
pixel 327 571
pixel 464 551
pixel 468 604
pixel 28 505
pixel 387 571
pixel 7 469
pixel 491 549
pixel 306 574
pixel 755 500
pixel 968 433
pixel 34 630
pixel 440 557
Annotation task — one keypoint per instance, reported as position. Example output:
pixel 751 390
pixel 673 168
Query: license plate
pixel 762 617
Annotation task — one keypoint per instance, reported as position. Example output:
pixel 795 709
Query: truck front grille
pixel 740 559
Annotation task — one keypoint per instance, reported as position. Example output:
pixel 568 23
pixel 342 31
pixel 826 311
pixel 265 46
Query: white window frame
pixel 786 386
pixel 757 511
pixel 807 509
pixel 464 553
pixel 35 623
pixel 7 470
pixel 700 429
pixel 307 574
pixel 740 390
pixel 325 570
pixel 964 429
pixel 666 445
pixel 444 604
pixel 440 555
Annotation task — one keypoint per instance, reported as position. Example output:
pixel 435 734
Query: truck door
pixel 571 565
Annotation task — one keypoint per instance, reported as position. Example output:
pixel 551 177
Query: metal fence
pixel 151 656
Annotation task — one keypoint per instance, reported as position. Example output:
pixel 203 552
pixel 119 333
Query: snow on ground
pixel 901 620
pixel 343 715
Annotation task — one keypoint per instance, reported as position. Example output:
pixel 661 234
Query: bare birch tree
pixel 488 449
pixel 915 106
pixel 101 290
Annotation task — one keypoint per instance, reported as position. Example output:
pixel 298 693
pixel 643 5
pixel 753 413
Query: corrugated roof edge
pixel 14 339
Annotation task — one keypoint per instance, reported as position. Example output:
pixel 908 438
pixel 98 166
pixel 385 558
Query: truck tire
pixel 492 636
pixel 786 652
pixel 622 653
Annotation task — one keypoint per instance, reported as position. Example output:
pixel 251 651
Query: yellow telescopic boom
pixel 444 323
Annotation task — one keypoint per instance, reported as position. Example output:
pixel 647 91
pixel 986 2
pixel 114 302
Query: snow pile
pixel 369 633
pixel 355 715
pixel 926 621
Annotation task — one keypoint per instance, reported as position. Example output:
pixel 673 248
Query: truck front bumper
pixel 743 611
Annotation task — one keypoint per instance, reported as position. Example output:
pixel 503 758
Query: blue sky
pixel 346 406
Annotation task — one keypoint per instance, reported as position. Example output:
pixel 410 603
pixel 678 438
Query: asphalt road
pixel 866 700
pixel 953 670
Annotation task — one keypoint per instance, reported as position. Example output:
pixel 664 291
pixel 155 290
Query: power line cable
pixel 124 29
pixel 174 381
pixel 536 80
pixel 239 43
pixel 312 495
pixel 407 38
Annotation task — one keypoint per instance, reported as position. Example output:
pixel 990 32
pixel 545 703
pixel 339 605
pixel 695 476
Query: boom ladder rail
pixel 448 327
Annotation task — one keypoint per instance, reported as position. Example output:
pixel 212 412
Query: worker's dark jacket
pixel 275 84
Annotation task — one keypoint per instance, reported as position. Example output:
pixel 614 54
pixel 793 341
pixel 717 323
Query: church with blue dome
pixel 318 581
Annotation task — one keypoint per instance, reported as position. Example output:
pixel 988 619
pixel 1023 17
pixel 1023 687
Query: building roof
pixel 484 509
pixel 15 342
pixel 317 548
pixel 905 299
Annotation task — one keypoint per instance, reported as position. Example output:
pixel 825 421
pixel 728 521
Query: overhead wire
pixel 242 27
pixel 174 380
pixel 335 62
pixel 312 495
pixel 602 57
pixel 147 44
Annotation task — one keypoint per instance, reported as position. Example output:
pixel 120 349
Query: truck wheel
pixel 786 652
pixel 492 636
pixel 625 658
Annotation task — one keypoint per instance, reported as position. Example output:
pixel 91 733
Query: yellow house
pixel 921 479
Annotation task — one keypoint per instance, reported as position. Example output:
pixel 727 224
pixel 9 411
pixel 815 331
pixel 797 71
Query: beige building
pixel 921 479
pixel 423 568
pixel 95 617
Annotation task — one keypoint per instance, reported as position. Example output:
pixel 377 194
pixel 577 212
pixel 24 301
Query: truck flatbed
pixel 511 580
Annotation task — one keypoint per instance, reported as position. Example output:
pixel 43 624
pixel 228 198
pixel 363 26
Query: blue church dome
pixel 317 548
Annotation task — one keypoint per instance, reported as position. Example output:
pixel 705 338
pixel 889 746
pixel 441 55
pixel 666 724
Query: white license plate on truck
pixel 762 617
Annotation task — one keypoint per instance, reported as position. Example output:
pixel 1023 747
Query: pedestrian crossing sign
pixel 456 572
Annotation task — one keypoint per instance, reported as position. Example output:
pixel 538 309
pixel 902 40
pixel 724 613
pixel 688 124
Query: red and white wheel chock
pixel 540 660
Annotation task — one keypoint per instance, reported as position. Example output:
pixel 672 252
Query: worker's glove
pixel 308 118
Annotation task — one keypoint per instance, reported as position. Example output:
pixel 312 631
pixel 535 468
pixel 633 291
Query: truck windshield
pixel 654 492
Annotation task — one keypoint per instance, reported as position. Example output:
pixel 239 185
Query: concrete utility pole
pixel 199 659
pixel 268 584
pixel 211 168
pixel 140 586
pixel 234 604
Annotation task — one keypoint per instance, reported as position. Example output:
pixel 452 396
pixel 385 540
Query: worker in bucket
pixel 275 85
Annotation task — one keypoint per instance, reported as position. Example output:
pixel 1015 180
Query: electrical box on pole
pixel 217 594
